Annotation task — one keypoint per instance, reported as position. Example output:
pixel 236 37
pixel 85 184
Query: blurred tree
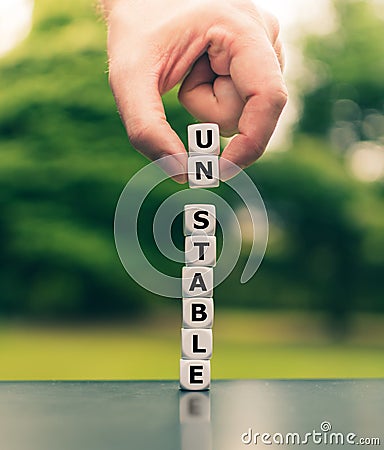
pixel 348 67
pixel 348 98
pixel 65 159
pixel 334 223
pixel 326 249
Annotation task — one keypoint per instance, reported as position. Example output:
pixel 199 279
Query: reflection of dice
pixel 195 421
pixel 194 408
pixel 200 258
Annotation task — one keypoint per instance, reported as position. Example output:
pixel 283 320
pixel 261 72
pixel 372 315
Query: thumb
pixel 142 112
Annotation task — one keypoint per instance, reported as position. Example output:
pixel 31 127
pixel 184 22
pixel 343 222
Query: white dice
pixel 199 219
pixel 195 375
pixel 200 258
pixel 196 344
pixel 197 312
pixel 203 161
pixel 197 281
pixel 200 251
pixel 204 138
pixel 203 171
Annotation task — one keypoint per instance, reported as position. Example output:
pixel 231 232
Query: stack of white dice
pixel 200 258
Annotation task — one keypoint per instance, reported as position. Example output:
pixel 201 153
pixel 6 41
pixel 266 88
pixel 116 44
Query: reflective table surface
pixel 156 415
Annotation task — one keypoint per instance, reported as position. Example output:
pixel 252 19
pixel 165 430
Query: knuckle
pixel 138 131
pixel 269 22
pixel 120 62
pixel 273 26
pixel 119 67
pixel 255 149
pixel 258 149
pixel 277 96
pixel 229 127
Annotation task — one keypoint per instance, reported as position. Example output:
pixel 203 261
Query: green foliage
pixel 320 216
pixel 340 108
pixel 349 64
pixel 65 159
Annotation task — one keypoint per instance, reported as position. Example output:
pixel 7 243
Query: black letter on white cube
pixel 200 250
pixel 199 219
pixel 203 171
pixel 195 375
pixel 196 343
pixel 204 138
pixel 197 281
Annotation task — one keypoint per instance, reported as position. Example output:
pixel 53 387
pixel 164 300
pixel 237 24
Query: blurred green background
pixel 68 310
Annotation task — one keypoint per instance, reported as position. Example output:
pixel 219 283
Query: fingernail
pixel 180 179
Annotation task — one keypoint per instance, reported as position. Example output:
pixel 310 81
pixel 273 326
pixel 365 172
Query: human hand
pixel 226 53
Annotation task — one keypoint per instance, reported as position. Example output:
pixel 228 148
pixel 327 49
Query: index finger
pixel 256 73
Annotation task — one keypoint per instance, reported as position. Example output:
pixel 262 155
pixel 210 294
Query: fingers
pixel 134 80
pixel 211 98
pixel 272 28
pixel 237 83
pixel 142 113
pixel 256 74
pixel 239 86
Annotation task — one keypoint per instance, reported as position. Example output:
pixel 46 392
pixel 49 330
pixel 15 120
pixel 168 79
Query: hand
pixel 226 53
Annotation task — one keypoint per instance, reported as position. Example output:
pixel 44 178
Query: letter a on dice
pixel 197 281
